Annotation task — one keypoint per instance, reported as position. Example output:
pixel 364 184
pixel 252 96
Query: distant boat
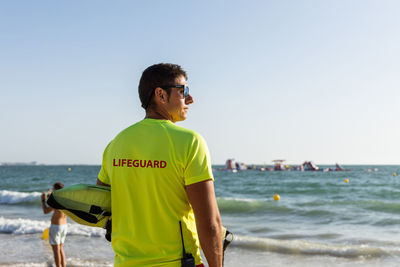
pixel 309 166
pixel 279 166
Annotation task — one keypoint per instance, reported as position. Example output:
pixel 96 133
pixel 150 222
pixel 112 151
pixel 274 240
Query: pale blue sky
pixel 299 80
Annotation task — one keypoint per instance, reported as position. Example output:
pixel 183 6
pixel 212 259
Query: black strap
pixel 187 260
pixel 226 241
pixel 53 203
pixel 108 230
pixel 226 244
pixel 185 256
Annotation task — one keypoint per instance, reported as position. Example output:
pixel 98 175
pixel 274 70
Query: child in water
pixel 58 228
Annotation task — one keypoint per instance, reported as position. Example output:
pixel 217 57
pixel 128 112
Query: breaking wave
pixel 12 197
pixel 27 226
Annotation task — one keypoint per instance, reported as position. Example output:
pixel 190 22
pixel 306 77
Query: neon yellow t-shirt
pixel 148 165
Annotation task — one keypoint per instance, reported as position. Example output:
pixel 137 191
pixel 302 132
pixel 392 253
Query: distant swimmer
pixel 58 228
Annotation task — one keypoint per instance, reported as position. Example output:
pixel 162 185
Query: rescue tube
pixel 91 205
pixel 85 204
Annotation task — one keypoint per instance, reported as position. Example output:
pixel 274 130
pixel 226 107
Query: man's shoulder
pixel 183 132
pixel 179 128
pixel 176 132
pixel 129 130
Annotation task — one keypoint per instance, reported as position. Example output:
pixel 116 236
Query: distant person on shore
pixel 58 228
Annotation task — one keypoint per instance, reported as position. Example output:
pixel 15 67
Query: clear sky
pixel 298 80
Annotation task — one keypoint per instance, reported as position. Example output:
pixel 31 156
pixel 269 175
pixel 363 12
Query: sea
pixel 323 218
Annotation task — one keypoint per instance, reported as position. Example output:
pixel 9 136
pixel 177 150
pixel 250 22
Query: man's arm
pixel 208 220
pixel 45 208
pixel 101 183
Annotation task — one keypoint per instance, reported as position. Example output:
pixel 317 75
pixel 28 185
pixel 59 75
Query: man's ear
pixel 160 95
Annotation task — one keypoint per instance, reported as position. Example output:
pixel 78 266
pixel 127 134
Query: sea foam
pixel 22 226
pixel 12 197
pixel 26 226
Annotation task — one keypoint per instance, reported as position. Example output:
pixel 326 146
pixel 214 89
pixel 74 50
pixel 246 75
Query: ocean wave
pixel 22 226
pixel 12 197
pixel 301 247
pixel 380 206
pixel 26 226
pixel 387 222
pixel 318 213
pixel 246 205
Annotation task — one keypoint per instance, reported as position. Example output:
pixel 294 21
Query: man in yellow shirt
pixel 162 192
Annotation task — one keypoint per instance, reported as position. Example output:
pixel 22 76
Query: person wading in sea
pixel 58 228
pixel 162 191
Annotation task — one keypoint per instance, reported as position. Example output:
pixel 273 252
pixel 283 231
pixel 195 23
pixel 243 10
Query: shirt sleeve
pixel 198 165
pixel 103 175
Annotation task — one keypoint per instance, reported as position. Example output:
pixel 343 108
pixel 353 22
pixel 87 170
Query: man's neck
pixel 157 115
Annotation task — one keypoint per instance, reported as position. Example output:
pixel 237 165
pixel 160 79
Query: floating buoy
pixel 346 181
pixel 69 169
pixel 277 197
pixel 394 174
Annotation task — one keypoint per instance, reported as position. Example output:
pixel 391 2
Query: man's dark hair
pixel 58 185
pixel 158 75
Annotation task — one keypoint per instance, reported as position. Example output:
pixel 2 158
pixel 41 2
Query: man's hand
pixel 44 195
pixel 101 183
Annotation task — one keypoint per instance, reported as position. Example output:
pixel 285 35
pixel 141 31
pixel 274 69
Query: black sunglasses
pixel 185 88
pixel 185 92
